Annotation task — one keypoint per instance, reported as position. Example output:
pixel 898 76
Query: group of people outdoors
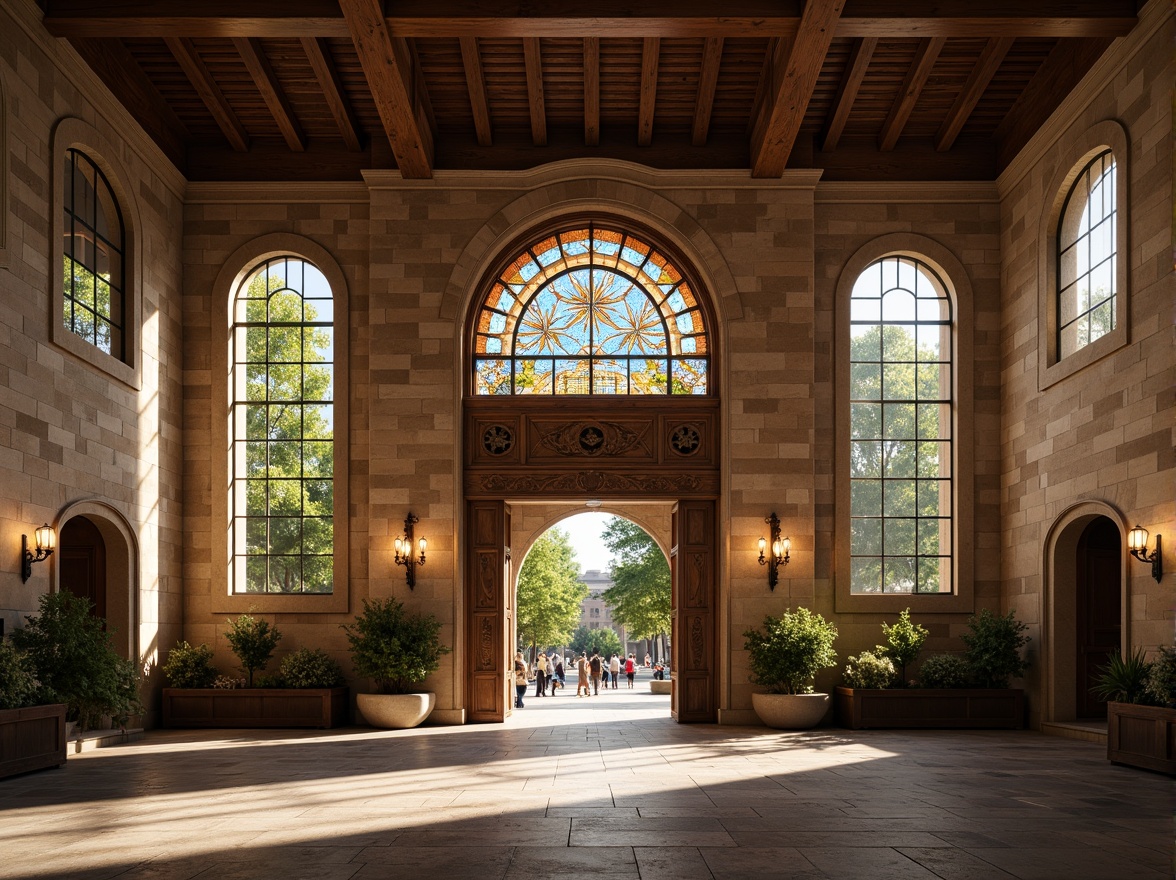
pixel 550 674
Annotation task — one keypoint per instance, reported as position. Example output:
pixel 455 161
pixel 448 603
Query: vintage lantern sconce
pixel 46 541
pixel 404 551
pixel 1137 544
pixel 779 550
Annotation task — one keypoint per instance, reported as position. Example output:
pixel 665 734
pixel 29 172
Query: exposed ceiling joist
pixel 851 81
pixel 990 59
pixel 251 52
pixel 908 93
pixel 189 59
pixel 591 91
pixel 708 79
pixel 472 62
pixel 387 67
pixel 779 122
pixel 319 54
pixel 650 53
pixel 533 59
pixel 607 18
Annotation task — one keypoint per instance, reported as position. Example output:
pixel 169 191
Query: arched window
pixel 1086 254
pixel 591 309
pixel 900 430
pixel 282 462
pixel 94 247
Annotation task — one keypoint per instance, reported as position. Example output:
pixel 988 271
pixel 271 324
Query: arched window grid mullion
pixel 1092 316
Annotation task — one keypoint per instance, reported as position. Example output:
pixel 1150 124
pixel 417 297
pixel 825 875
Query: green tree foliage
pixel 640 594
pixel 18 678
pixel 310 668
pixel 189 666
pixel 549 592
pixel 790 650
pixel 994 648
pixel 253 642
pixel 603 641
pixel 396 650
pixel 869 669
pixel 289 447
pixel 896 426
pixel 905 640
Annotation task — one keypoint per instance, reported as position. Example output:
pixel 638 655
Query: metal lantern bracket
pixel 405 547
pixel 778 550
pixel 45 542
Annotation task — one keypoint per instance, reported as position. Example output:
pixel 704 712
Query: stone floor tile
pixel 954 864
pixel 754 863
pixel 1052 863
pixel 875 863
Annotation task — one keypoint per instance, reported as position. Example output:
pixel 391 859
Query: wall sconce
pixel 780 547
pixel 1137 544
pixel 404 551
pixel 46 541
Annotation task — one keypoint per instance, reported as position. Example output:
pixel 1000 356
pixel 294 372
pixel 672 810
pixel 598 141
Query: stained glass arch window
pixel 592 309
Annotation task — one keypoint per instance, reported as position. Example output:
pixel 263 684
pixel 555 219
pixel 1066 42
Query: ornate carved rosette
pixel 685 439
pixel 497 439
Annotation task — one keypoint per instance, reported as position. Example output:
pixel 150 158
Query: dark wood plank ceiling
pixel 320 89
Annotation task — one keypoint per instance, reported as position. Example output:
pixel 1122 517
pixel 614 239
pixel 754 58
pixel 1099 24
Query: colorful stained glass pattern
pixel 590 310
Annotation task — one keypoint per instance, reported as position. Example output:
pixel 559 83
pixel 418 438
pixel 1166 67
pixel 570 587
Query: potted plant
pixel 32 731
pixel 785 657
pixel 75 662
pixel 1141 709
pixel 397 651
pixel 952 691
pixel 308 691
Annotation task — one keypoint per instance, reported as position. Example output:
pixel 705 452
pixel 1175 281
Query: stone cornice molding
pixel 1155 15
pixel 917 192
pixel 282 192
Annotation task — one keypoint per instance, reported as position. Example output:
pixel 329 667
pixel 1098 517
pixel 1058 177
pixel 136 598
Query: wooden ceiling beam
pixel 591 91
pixel 608 18
pixel 990 60
pixel 318 53
pixel 387 67
pixel 708 79
pixel 251 52
pixel 650 55
pixel 908 94
pixel 189 59
pixel 471 60
pixel 779 122
pixel 533 58
pixel 851 81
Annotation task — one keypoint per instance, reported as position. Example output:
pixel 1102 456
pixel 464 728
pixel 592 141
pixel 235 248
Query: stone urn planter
pixel 395 711
pixel 790 711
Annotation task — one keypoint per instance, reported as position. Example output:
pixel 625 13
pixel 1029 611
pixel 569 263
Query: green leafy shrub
pixel 1124 679
pixel 253 642
pixel 790 651
pixel 307 668
pixel 76 662
pixel 189 666
pixel 1161 684
pixel 18 678
pixel 905 640
pixel 396 650
pixel 228 683
pixel 870 669
pixel 945 671
pixel 994 648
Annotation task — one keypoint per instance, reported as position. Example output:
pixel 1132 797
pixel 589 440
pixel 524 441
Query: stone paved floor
pixel 606 787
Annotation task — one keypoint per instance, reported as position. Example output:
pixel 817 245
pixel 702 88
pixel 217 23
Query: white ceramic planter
pixel 395 711
pixel 790 711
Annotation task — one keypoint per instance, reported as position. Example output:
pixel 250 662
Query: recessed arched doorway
pixel 1098 597
pixel 82 553
pixel 591 377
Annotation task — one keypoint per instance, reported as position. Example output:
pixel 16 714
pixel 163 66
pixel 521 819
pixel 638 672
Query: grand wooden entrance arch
pixel 527 436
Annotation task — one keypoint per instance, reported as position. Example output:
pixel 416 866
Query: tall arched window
pixel 1086 253
pixel 591 309
pixel 900 430
pixel 94 246
pixel 282 461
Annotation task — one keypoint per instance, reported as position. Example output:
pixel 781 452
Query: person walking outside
pixel 557 676
pixel 614 669
pixel 582 670
pixel 520 679
pixel 541 675
pixel 595 667
pixel 630 669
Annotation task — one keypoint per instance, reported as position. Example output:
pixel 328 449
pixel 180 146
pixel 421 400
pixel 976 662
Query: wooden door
pixel 694 666
pixel 82 560
pixel 1098 610
pixel 490 614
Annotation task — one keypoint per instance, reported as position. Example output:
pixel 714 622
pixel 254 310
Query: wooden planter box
pixel 943 708
pixel 31 739
pixel 1142 736
pixel 255 707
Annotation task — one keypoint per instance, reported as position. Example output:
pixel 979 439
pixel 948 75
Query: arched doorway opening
pixel 83 563
pixel 1085 607
pixel 591 377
